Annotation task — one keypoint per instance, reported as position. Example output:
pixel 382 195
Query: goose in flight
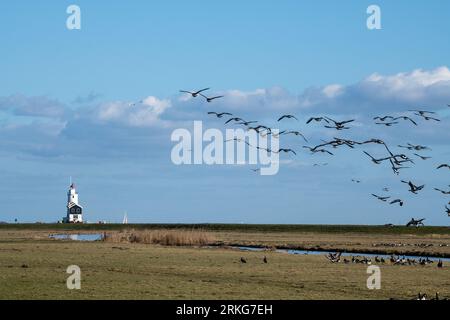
pixel 247 123
pixel 422 112
pixel 406 118
pixel 320 165
pixel 387 124
pixel 410 146
pixel 296 133
pixel 399 201
pixel 448 210
pixel 376 161
pixel 238 140
pixel 416 223
pixel 236 119
pixel 427 118
pixel 268 150
pixel 261 128
pixel 314 150
pixel 220 115
pixel 210 99
pixel 384 199
pixel 287 116
pixel 383 119
pixel 442 191
pixel 195 93
pixel 275 135
pixel 443 166
pixel 412 187
pixel 317 119
pixel 285 151
pixel 339 125
pixel 422 157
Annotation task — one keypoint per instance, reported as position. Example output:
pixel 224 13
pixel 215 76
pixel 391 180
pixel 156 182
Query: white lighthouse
pixel 74 210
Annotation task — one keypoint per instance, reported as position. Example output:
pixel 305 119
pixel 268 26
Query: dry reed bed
pixel 162 237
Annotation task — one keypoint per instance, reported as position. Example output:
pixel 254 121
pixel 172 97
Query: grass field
pixel 34 267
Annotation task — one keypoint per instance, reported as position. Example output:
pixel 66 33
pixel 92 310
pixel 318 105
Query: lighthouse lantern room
pixel 74 210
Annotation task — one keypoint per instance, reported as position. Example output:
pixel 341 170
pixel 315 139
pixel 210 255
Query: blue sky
pixel 63 98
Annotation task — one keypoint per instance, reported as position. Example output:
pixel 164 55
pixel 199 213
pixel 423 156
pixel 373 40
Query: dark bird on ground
pixel 405 118
pixel 421 296
pixel 422 157
pixel 384 199
pixel 399 201
pixel 195 93
pixel 440 264
pixel 220 115
pixel 443 166
pixel 442 191
pixel 334 257
pixel 210 99
pixel 287 116
pixel 265 259
pixel 243 260
pixel 412 187
pixel 286 151
pixel 317 119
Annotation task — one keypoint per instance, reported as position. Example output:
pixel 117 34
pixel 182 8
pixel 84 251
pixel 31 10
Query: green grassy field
pixel 34 267
pixel 239 227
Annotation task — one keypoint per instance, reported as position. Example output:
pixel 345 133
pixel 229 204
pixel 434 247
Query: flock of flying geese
pixel 397 161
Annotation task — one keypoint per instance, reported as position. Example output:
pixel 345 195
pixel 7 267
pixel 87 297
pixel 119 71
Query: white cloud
pixel 148 123
pixel 145 114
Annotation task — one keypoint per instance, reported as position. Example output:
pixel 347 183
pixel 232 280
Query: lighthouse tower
pixel 74 210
